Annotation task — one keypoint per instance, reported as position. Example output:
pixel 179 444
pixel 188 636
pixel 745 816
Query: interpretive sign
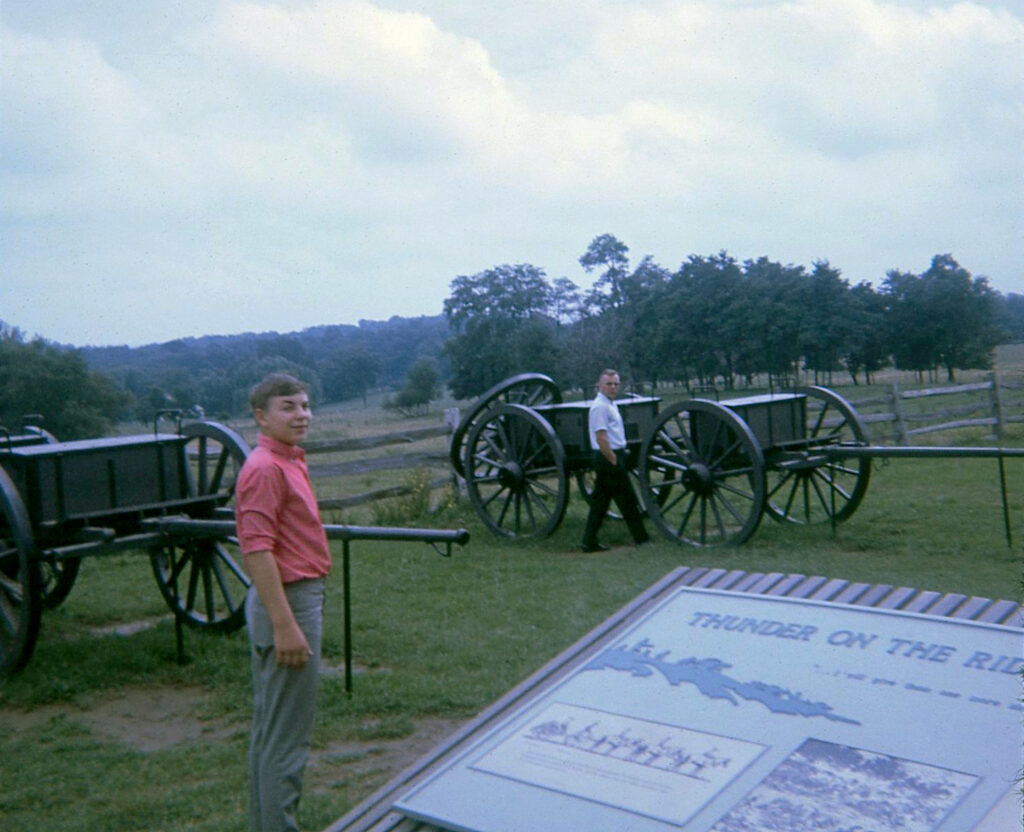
pixel 727 712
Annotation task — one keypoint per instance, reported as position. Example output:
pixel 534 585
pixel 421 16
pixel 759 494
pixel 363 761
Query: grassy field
pixel 105 731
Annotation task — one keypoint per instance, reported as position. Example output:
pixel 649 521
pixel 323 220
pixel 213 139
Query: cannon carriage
pixel 62 501
pixel 706 471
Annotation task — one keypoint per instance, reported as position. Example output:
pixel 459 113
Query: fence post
pixel 997 406
pixel 452 417
pixel 897 409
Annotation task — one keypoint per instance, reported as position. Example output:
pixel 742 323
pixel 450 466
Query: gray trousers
pixel 284 701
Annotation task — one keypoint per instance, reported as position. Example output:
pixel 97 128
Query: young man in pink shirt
pixel 287 557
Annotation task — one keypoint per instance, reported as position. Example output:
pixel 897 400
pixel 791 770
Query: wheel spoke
pixel 666 509
pixel 794 493
pixel 202 464
pixel 839 468
pixel 685 431
pixel 736 490
pixel 202 570
pixel 225 557
pixel 708 443
pixel 497 492
pixel 497 441
pixel 665 462
pixel 221 579
pixel 714 499
pixel 11 588
pixel 822 499
pixel 193 584
pixel 177 565
pixel 538 453
pixel 539 502
pixel 819 422
pixel 718 461
pixel 833 484
pixel 527 500
pixel 505 444
pixel 543 486
pixel 486 460
pixel 727 504
pixel 218 472
pixel 694 497
pixel 505 507
pixel 9 615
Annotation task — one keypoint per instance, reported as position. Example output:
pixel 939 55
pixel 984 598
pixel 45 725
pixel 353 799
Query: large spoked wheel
pixel 703 476
pixel 202 579
pixel 20 605
pixel 530 389
pixel 56 577
pixel 805 486
pixel 516 473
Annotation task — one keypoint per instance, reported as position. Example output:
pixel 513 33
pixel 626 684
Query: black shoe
pixel 597 547
pixel 645 544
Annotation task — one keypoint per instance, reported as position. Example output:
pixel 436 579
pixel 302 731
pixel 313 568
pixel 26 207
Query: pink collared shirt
pixel 276 511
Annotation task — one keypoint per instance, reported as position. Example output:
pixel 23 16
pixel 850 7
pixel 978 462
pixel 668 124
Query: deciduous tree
pixel 502 327
pixel 40 378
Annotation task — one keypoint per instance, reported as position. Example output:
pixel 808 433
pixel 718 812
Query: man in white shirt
pixel 611 477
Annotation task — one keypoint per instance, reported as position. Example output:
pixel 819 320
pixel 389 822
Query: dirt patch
pixel 156 719
pixel 341 762
pixel 146 720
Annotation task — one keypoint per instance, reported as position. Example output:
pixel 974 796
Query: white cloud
pixel 386 147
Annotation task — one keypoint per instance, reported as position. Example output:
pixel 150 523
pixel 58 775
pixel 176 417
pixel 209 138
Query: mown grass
pixel 433 637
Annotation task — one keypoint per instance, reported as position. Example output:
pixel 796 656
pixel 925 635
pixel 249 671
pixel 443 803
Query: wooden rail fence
pixel 418 459
pixel 989 404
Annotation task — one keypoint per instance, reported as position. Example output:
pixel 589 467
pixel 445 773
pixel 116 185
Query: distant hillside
pixel 339 360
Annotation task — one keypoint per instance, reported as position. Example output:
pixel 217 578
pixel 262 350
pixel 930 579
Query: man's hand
pixel 605 447
pixel 291 646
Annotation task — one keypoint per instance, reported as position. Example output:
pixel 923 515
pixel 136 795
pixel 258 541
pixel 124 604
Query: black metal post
pixel 179 635
pixel 347 595
pixel 179 628
pixel 1006 506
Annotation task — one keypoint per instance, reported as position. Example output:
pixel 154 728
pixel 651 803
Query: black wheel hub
pixel 698 478
pixel 511 475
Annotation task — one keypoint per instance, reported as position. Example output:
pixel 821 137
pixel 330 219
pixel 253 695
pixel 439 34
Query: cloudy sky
pixel 193 167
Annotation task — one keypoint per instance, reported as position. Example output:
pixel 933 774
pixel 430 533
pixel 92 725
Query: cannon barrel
pixel 917 451
pixel 220 528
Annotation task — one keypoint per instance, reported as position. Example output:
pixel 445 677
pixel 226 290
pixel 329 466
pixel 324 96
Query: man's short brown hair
pixel 275 384
pixel 608 372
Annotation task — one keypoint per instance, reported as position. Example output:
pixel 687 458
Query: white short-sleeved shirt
pixel 604 415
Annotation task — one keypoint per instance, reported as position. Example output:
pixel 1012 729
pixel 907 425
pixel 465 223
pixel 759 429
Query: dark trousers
pixel 611 482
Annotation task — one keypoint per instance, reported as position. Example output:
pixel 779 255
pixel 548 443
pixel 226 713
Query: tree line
pixel 716 321
pixel 81 392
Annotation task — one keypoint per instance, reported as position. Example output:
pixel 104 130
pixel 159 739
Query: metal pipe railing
pixel 933 452
pixel 187 527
